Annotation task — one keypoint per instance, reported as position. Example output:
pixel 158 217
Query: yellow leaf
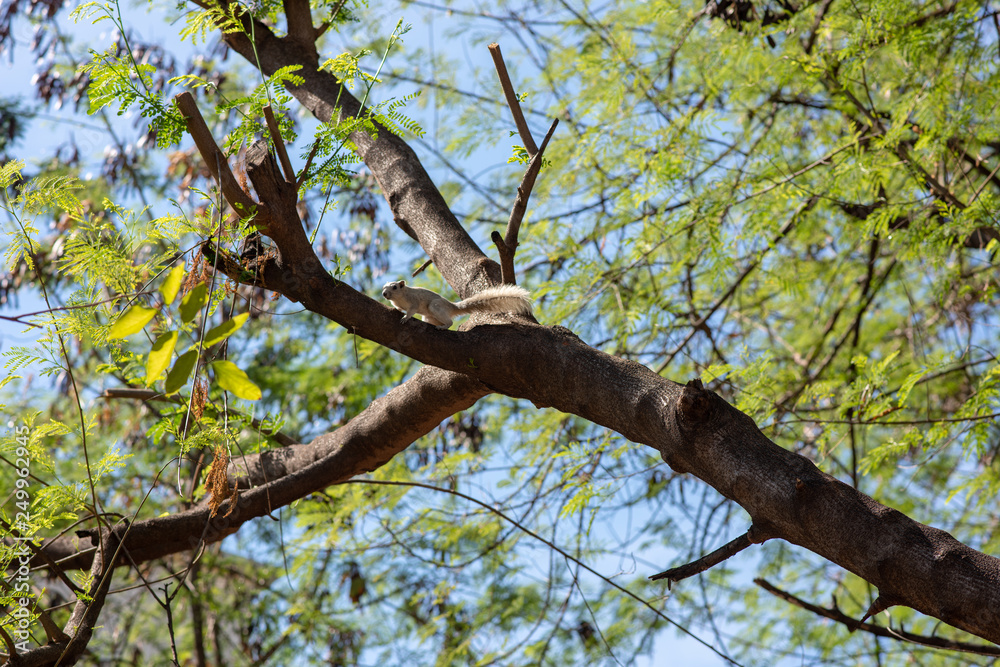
pixel 225 330
pixel 193 301
pixel 231 378
pixel 178 375
pixel 172 284
pixel 159 356
pixel 131 321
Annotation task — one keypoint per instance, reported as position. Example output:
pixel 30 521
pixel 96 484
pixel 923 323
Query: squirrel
pixel 439 311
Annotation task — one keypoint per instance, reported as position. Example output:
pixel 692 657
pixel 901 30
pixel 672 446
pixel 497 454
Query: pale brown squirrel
pixel 440 312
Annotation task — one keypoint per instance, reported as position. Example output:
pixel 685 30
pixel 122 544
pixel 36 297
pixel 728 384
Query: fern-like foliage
pixel 116 76
pixel 332 142
pixel 251 109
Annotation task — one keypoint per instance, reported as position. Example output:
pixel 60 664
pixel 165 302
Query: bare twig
pixel 512 101
pixel 305 169
pixel 420 269
pixel 835 614
pixel 508 244
pixel 727 550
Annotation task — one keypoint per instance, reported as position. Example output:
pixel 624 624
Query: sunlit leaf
pixel 193 302
pixel 231 378
pixel 131 321
pixel 225 330
pixel 159 356
pixel 172 284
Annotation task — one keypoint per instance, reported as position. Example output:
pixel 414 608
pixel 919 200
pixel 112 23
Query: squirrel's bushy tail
pixel 499 299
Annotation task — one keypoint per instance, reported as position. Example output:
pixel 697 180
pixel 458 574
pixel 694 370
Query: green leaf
pixel 231 378
pixel 131 321
pixel 172 284
pixel 178 375
pixel 194 301
pixel 225 330
pixel 159 356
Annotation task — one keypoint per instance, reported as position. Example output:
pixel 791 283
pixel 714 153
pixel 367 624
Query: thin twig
pixel 420 269
pixel 508 244
pixel 724 552
pixel 551 545
pixel 305 169
pixel 878 630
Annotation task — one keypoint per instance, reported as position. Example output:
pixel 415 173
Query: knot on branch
pixel 695 403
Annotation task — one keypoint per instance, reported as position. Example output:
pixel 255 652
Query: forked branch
pixel 507 245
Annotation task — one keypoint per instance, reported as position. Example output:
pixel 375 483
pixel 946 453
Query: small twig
pixel 878 630
pixel 305 169
pixel 279 144
pixel 512 101
pixel 507 245
pixel 420 269
pixel 18 318
pixel 705 562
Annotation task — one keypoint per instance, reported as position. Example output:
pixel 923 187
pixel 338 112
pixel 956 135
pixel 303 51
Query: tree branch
pixel 706 562
pixel 835 614
pixel 512 101
pixel 507 246
pixel 368 441
pixel 415 201
pixel 216 161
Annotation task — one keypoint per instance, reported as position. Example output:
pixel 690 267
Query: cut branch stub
pixel 724 552
pixel 694 404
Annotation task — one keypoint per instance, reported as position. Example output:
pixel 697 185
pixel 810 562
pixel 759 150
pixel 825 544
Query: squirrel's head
pixel 393 287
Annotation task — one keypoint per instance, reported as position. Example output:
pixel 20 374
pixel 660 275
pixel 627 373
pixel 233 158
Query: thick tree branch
pixel 300 25
pixel 416 203
pixel 385 428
